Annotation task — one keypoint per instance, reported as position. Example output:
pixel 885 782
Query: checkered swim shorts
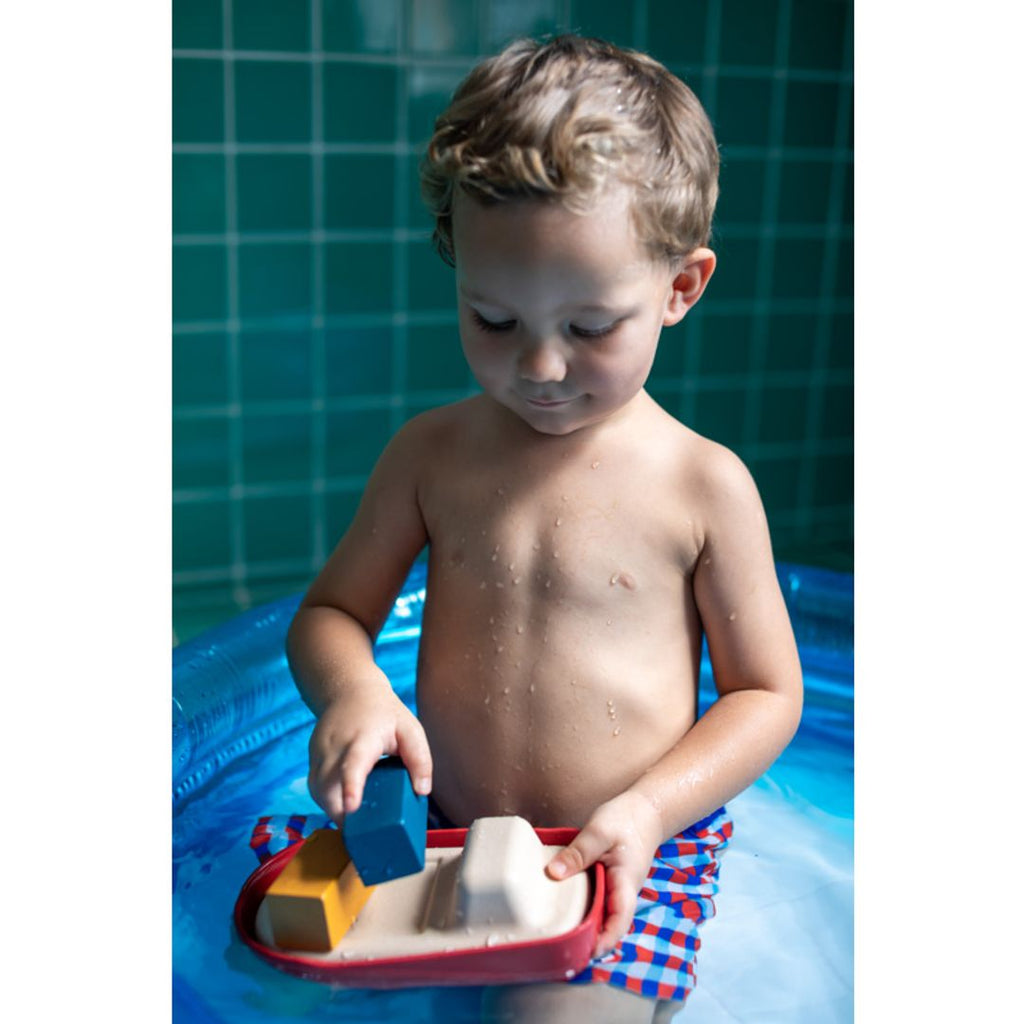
pixel 657 956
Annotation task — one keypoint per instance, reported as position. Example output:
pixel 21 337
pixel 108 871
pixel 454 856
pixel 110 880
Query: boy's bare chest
pixel 556 529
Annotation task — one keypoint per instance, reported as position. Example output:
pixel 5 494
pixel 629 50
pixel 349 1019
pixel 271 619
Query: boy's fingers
pixel 621 906
pixel 324 784
pixel 328 796
pixel 415 754
pixel 360 758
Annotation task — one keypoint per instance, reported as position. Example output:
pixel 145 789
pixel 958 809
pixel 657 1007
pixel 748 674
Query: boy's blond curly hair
pixel 562 120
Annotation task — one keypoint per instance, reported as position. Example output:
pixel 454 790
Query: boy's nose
pixel 542 364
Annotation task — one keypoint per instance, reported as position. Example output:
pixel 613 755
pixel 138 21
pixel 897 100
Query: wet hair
pixel 565 120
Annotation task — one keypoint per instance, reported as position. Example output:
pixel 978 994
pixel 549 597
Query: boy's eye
pixel 490 325
pixel 592 332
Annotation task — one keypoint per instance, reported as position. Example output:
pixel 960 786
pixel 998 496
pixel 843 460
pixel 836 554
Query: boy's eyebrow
pixel 589 307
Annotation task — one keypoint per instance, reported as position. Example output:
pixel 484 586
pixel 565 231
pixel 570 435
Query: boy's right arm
pixel 330 641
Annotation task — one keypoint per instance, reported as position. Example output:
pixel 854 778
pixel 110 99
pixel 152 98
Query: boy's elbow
pixel 293 638
pixel 301 633
pixel 792 699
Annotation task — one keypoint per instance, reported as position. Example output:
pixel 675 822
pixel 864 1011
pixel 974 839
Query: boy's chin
pixel 556 424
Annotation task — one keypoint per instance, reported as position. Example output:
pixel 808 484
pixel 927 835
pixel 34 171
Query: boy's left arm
pixel 760 696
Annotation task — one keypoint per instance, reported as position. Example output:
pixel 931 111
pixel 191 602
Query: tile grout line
pixel 826 294
pixel 236 442
pixel 400 245
pixel 318 337
pixel 382 400
pixel 641 20
pixel 354 483
pixel 694 339
pixel 465 61
pixel 766 250
pixel 439 317
pixel 736 230
pixel 823 154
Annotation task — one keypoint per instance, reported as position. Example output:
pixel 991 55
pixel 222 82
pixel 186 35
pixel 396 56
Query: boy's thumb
pixel 566 863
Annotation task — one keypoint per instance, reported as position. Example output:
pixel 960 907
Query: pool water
pixel 778 951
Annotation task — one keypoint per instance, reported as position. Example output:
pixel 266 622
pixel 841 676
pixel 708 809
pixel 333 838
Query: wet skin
pixel 560 638
pixel 581 541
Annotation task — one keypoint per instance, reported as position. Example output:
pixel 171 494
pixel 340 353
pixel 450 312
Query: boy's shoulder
pixel 439 425
pixel 708 472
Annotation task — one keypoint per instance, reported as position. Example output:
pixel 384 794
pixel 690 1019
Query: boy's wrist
pixel 645 810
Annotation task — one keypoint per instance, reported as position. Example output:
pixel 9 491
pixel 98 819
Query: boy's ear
pixel 688 284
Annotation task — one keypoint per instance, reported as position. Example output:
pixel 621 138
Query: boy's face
pixel 560 313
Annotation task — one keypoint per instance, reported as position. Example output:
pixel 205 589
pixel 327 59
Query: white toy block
pixel 501 875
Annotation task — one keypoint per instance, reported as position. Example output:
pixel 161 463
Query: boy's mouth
pixel 548 403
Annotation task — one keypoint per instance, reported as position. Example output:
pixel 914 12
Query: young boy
pixel 581 540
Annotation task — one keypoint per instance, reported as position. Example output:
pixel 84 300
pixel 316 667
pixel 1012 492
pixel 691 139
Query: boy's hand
pixel 349 738
pixel 623 834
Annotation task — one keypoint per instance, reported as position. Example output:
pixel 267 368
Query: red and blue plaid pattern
pixel 657 956
pixel 275 832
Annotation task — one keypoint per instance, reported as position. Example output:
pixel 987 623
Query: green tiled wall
pixel 311 316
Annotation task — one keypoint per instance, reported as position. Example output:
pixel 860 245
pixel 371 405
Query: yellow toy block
pixel 317 896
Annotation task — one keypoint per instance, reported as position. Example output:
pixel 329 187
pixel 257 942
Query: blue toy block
pixel 387 836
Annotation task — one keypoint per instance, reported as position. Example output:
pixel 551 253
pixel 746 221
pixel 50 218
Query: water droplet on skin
pixel 732 616
pixel 516 580
pixel 499 649
pixel 483 585
pixel 505 690
pixel 707 561
pixel 548 583
pixel 519 629
pixel 501 490
pixel 616 731
pixel 558 521
pixel 487 699
pixel 532 687
pixel 500 586
pixel 594 465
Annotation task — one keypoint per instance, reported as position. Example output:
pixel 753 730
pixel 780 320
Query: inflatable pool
pixel 780 948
